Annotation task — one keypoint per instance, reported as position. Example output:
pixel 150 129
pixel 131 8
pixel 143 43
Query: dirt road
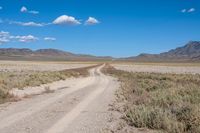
pixel 81 107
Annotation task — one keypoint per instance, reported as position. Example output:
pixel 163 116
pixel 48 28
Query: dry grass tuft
pixel 48 90
pixel 163 102
pixel 9 80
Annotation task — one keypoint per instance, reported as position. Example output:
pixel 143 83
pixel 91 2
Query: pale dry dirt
pixel 158 68
pixel 17 66
pixel 77 106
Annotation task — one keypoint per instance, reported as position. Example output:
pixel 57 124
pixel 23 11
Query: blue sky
pixel 117 28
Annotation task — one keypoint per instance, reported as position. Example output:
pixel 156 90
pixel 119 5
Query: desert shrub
pixel 154 118
pixel 163 102
pixel 48 89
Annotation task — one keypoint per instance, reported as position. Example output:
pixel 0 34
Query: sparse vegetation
pixel 162 102
pixel 9 80
pixel 48 90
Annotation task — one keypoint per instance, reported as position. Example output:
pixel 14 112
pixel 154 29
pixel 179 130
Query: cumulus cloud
pixel 25 10
pixel 91 21
pixel 33 12
pixel 50 39
pixel 34 24
pixel 3 40
pixel 6 37
pixel 28 38
pixel 191 10
pixel 183 10
pixel 188 10
pixel 4 34
pixel 66 20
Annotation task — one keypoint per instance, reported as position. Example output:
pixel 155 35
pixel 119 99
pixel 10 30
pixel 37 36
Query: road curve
pixel 79 108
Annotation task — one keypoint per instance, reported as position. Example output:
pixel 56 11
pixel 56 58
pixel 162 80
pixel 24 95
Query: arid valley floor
pixel 78 97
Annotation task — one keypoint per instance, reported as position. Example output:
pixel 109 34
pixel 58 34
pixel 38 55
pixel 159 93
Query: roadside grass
pixel 9 80
pixel 162 102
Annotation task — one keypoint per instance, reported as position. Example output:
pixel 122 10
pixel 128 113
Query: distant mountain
pixel 46 54
pixel 52 52
pixel 189 52
pixel 13 51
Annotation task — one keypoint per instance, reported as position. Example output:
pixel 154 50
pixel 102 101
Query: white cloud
pixel 184 10
pixel 25 10
pixel 66 20
pixel 6 37
pixel 188 10
pixel 4 33
pixel 34 24
pixel 3 40
pixel 28 38
pixel 191 10
pixel 50 39
pixel 92 21
pixel 33 12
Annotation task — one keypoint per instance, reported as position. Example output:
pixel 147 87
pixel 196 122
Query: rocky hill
pixel 189 52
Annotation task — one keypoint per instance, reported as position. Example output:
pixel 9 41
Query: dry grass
pixel 48 90
pixel 162 102
pixel 9 80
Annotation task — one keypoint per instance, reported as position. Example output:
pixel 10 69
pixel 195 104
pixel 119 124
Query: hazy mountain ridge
pixel 44 54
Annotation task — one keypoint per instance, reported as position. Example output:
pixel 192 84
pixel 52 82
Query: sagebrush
pixel 163 102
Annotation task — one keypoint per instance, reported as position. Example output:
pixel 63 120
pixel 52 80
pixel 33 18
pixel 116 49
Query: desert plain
pixel 76 97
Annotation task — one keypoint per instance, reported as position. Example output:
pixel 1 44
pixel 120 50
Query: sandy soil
pixel 159 69
pixel 80 106
pixel 13 66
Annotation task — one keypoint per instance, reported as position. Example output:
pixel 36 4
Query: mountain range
pixel 46 55
pixel 189 52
